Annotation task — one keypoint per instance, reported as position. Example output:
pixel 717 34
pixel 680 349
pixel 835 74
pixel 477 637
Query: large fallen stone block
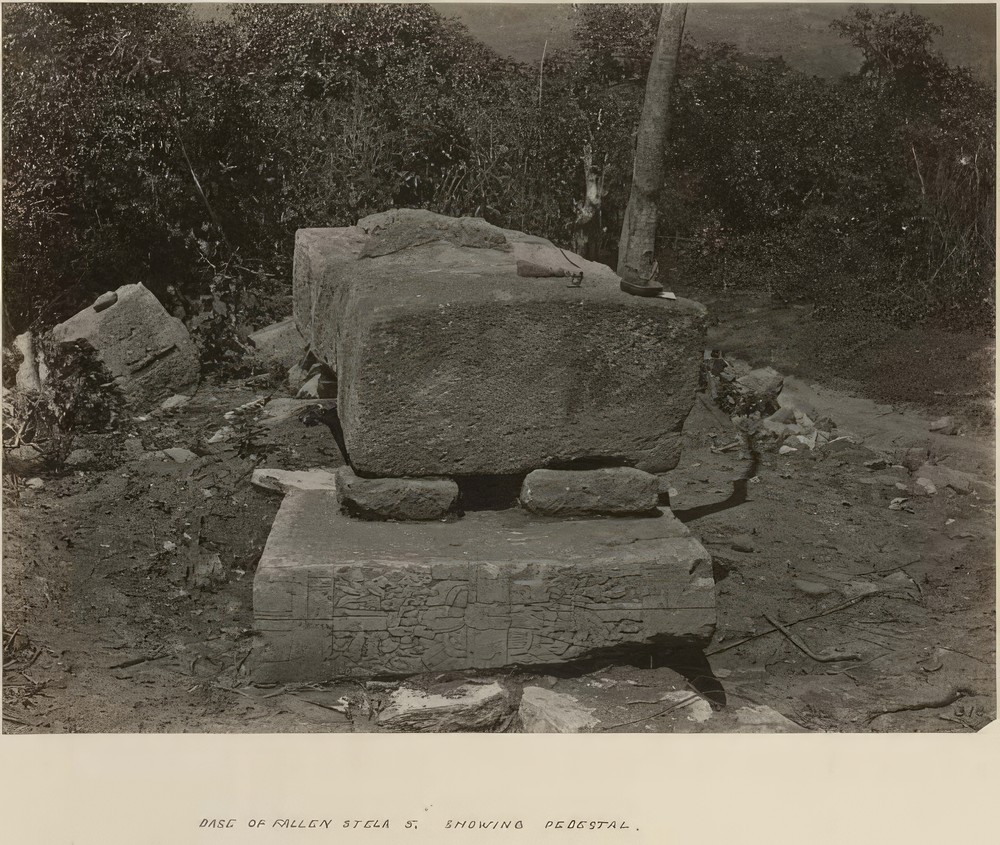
pixel 450 363
pixel 334 596
pixel 462 709
pixel 612 491
pixel 149 354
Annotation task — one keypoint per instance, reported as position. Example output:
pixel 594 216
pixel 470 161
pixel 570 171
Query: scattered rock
pixel 133 447
pixel 105 301
pixel 23 460
pixel 742 543
pixel 464 709
pixel 279 344
pixel 945 425
pixel 618 490
pixel 282 480
pixel 148 353
pixel 80 458
pixel 812 588
pixel 942 476
pixel 784 450
pixel 913 459
pixel 545 711
pixel 28 378
pixel 878 463
pixel 178 400
pixel 221 436
pixel 764 382
pixel 900 504
pixel 279 410
pixel 395 498
pixel 181 456
pixel 35 484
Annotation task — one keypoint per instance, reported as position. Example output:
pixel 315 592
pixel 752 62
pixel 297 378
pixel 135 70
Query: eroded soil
pixel 127 583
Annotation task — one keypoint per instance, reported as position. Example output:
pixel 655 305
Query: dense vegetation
pixel 141 144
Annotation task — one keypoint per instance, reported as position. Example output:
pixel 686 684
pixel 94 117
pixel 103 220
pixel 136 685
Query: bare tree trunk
pixel 587 226
pixel 636 249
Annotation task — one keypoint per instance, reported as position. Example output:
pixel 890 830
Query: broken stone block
pixel 180 456
pixel 764 383
pixel 279 344
pixel 467 708
pixel 612 491
pixel 395 498
pixel 336 596
pixel 149 354
pixel 283 480
pixel 438 344
pixel 545 711
pixel 80 458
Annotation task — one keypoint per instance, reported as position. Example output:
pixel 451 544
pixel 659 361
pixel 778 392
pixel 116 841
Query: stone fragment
pixel 785 450
pixel 105 301
pixel 279 344
pixel 27 377
pixel 811 588
pixel 283 480
pixel 545 711
pixel 914 458
pixel 435 337
pixel 764 383
pixel 80 457
pixel 133 447
pixel 35 484
pixel 395 498
pixel 148 353
pixel 24 460
pixel 941 476
pixel 180 456
pixel 945 425
pixel 178 400
pixel 469 708
pixel 742 543
pixel 280 410
pixel 339 596
pixel 613 491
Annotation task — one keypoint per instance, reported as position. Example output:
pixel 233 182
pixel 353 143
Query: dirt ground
pixel 127 582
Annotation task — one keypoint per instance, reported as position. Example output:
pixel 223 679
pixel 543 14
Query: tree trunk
pixel 636 249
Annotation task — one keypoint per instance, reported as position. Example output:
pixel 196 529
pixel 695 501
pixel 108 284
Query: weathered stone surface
pixel 449 363
pixel 27 378
pixel 80 458
pixel 149 354
pixel 179 455
pixel 338 596
pixel 765 383
pixel 544 711
pixel 395 498
pixel 467 708
pixel 105 301
pixel 615 491
pixel 280 343
pixel 283 480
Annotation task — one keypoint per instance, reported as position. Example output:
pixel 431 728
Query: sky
pixel 800 32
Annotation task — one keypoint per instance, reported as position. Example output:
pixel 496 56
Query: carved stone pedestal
pixel 335 596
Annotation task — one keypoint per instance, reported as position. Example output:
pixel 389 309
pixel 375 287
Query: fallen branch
pixel 935 704
pixel 834 609
pixel 825 657
pixel 682 703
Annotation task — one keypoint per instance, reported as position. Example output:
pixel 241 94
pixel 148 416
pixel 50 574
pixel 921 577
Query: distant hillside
pixel 800 32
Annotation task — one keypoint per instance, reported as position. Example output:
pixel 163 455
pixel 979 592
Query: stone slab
pixel 616 490
pixel 450 363
pixel 149 354
pixel 334 596
pixel 280 343
pixel 395 498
